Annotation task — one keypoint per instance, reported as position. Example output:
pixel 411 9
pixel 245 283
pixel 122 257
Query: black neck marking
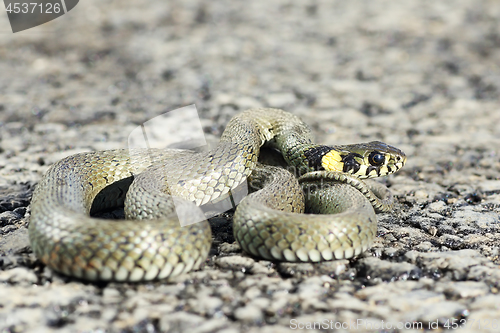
pixel 314 156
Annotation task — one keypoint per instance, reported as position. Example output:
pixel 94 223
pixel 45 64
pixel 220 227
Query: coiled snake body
pixel 268 223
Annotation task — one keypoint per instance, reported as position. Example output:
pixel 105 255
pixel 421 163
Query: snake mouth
pixel 398 161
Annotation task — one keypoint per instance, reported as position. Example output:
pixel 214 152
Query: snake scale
pixel 325 214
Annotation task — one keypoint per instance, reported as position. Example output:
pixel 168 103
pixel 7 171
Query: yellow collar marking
pixel 332 161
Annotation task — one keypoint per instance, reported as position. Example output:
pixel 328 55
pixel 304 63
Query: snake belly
pixel 151 244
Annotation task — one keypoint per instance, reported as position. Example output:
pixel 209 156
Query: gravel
pixel 420 75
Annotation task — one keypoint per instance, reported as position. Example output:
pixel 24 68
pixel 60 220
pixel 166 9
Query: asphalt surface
pixel 420 75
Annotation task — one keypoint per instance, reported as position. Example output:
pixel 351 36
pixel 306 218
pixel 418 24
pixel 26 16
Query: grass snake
pixel 325 214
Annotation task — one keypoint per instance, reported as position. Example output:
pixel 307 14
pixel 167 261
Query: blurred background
pixel 420 75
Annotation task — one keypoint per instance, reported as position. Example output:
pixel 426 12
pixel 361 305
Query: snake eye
pixel 376 158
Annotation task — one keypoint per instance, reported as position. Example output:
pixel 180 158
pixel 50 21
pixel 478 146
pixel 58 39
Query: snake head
pixel 364 160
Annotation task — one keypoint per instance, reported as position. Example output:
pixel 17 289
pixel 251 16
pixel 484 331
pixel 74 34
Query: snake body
pixel 161 189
